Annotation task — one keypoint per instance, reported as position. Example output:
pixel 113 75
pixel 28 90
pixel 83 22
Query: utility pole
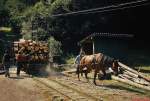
pixel 93 45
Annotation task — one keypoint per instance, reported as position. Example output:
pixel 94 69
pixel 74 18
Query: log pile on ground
pixel 36 51
pixel 132 77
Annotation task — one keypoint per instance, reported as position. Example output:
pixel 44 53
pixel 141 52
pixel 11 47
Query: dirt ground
pixel 24 88
pixel 21 88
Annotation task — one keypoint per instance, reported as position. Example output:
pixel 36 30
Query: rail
pixel 65 90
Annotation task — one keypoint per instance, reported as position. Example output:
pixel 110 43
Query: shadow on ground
pixel 129 88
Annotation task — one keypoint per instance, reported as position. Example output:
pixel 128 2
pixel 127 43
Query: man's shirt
pixel 77 60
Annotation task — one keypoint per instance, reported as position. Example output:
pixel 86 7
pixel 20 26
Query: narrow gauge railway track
pixel 91 88
pixel 66 91
pixel 88 88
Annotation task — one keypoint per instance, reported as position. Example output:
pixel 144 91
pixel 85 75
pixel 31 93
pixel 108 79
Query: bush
pixel 54 47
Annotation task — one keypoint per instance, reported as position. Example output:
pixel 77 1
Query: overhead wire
pixel 106 8
pixel 113 9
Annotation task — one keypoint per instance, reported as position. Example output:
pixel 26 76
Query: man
pixel 6 63
pixel 77 62
pixel 19 60
pixel 23 59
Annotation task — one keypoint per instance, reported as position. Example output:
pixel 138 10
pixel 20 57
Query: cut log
pixel 130 74
pixel 127 76
pixel 135 79
pixel 121 76
pixel 33 48
pixel 131 83
pixel 133 71
pixel 21 50
pixel 16 49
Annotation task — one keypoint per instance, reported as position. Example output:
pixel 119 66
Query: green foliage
pixel 54 47
pixel 26 28
pixel 7 36
pixel 2 4
pixel 27 16
pixel 70 59
pixel 4 17
pixel 15 7
pixel 11 12
pixel 41 34
pixel 27 36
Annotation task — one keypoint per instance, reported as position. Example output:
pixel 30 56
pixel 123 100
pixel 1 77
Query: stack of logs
pixel 36 51
pixel 132 77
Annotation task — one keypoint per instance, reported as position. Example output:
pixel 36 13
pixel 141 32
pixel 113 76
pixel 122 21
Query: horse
pixel 97 62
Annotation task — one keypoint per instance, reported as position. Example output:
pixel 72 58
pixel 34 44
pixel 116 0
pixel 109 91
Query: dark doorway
pixel 88 48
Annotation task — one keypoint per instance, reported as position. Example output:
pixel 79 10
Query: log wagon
pixel 34 54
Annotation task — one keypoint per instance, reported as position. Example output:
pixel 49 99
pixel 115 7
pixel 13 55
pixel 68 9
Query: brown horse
pixel 97 62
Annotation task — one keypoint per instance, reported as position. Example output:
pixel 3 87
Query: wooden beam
pixel 81 49
pixel 93 45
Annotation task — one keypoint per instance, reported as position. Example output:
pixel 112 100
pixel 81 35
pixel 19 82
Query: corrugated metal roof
pixel 107 35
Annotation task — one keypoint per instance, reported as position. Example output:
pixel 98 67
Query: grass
pixel 69 59
pixel 147 68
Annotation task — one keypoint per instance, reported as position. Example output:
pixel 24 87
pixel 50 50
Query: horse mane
pixel 107 60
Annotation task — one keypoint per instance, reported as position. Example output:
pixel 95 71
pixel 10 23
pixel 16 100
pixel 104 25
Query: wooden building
pixel 114 45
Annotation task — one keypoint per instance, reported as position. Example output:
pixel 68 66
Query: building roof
pixel 106 35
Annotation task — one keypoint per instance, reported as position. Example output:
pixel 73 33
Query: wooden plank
pixel 93 45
